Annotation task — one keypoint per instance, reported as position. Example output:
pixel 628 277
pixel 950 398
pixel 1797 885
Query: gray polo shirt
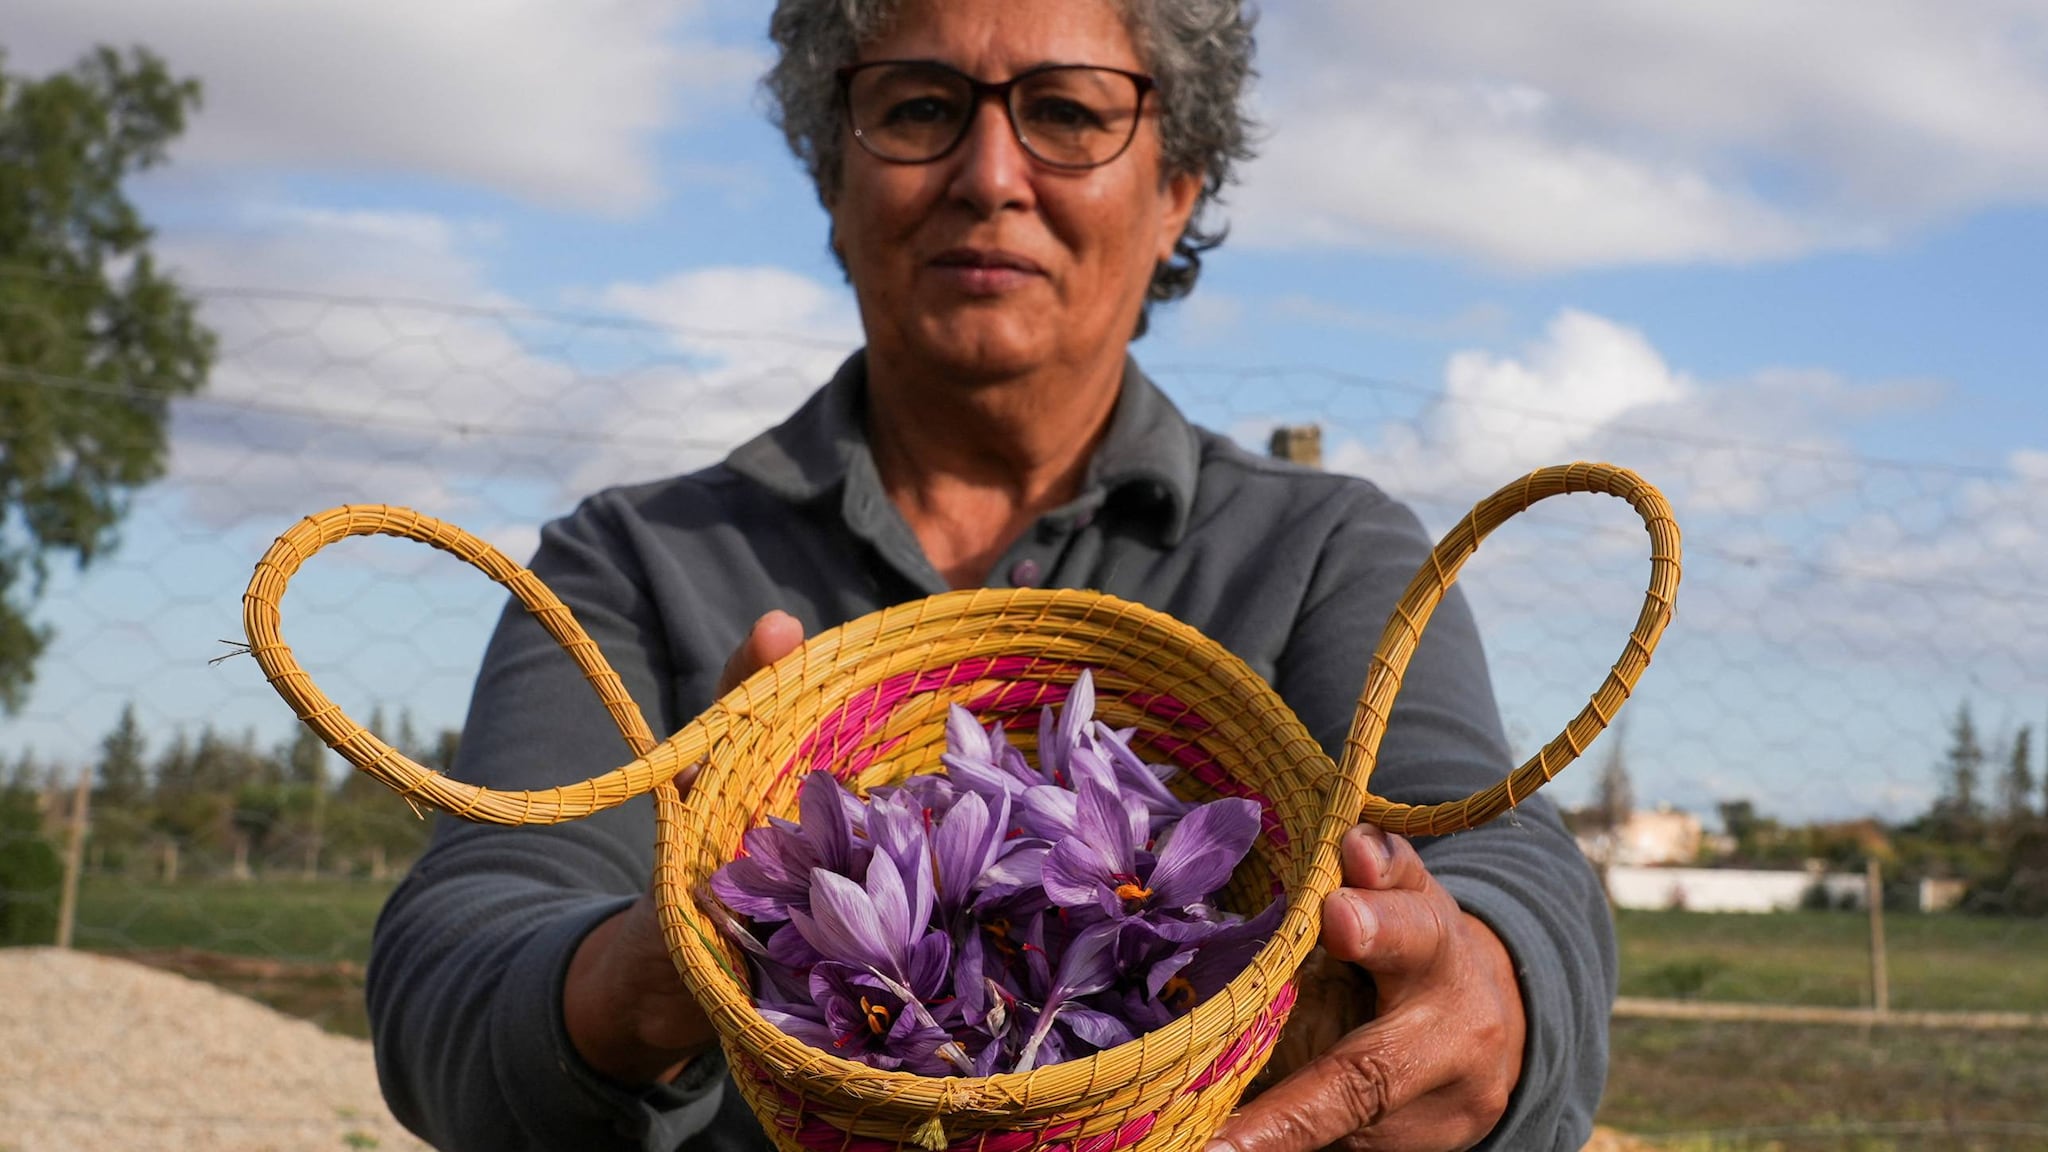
pixel 1293 570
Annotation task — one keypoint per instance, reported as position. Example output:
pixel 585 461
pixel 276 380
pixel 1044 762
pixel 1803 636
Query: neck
pixel 970 465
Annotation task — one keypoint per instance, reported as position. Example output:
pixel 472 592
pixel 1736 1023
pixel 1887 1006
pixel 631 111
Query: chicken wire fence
pixel 1856 670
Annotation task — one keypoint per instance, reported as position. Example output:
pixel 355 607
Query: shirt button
pixel 1024 573
pixel 1084 519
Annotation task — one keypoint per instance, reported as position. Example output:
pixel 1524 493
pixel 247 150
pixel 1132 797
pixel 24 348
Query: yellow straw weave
pixel 1166 1090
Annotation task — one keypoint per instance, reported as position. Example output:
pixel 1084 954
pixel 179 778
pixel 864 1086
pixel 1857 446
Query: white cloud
pixel 351 385
pixel 557 103
pixel 1575 133
pixel 1501 416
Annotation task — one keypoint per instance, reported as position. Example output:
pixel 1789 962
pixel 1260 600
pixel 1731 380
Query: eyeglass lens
pixel 1072 116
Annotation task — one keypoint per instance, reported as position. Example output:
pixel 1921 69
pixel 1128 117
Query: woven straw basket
pixel 867 701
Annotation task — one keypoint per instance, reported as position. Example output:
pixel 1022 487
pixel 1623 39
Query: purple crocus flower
pixel 1001 916
pixel 774 874
pixel 1086 966
pixel 884 927
pixel 1102 866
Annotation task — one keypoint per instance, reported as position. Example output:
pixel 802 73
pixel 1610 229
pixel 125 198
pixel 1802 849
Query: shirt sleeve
pixel 470 953
pixel 1522 874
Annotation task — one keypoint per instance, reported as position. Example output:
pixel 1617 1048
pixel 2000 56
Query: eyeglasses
pixel 1070 116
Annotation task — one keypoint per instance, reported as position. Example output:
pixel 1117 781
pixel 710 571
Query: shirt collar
pixel 1150 451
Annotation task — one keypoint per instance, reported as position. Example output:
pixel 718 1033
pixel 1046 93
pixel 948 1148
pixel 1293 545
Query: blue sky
pixel 1786 262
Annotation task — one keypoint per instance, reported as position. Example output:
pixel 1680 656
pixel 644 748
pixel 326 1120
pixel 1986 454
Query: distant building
pixel 1300 443
pixel 1731 889
pixel 1661 836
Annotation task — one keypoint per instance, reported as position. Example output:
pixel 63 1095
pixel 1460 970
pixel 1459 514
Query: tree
pixel 1958 809
pixel 95 340
pixel 1614 797
pixel 120 806
pixel 30 869
pixel 2016 787
pixel 123 777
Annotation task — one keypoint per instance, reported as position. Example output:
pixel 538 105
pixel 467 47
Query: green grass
pixel 1937 963
pixel 282 919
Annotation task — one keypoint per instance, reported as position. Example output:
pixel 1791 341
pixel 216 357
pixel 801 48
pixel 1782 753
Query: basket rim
pixel 1052 1087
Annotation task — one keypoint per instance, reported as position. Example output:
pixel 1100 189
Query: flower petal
pixel 1101 819
pixel 1098 1029
pixel 1203 850
pixel 961 851
pixel 1078 874
pixel 888 889
pixel 843 924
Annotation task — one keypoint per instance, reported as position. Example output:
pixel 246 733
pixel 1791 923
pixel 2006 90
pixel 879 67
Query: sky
pixel 1786 261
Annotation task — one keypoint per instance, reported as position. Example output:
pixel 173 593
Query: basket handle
pixel 654 764
pixel 1404 629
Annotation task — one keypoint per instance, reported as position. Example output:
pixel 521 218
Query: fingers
pixel 1376 859
pixel 1391 917
pixel 773 636
pixel 1344 1091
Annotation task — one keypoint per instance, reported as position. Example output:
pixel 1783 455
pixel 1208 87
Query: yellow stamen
pixel 1177 993
pixel 878 1016
pixel 1132 894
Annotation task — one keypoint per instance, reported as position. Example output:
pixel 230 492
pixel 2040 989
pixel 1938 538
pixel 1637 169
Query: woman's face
pixel 988 264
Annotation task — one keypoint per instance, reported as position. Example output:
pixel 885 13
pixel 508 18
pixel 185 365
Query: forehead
pixel 995 39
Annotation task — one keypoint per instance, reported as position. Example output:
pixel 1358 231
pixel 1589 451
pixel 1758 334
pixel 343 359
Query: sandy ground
pixel 97 1053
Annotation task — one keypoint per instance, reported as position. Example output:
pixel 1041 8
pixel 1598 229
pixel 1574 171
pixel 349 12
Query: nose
pixel 992 172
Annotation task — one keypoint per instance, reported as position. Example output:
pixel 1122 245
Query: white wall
pixel 1726 889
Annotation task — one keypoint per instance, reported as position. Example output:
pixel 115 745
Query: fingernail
pixel 1366 920
pixel 1376 845
pixel 1219 1146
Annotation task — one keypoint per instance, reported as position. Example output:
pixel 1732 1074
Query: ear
pixel 1178 195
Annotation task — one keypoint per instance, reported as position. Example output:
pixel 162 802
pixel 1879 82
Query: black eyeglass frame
pixel 982 90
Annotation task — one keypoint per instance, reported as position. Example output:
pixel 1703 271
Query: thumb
pixel 773 636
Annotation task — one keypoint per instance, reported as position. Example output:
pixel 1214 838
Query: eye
pixel 921 110
pixel 1062 114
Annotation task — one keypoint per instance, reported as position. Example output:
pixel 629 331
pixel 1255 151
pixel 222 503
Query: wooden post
pixel 170 861
pixel 1880 981
pixel 74 860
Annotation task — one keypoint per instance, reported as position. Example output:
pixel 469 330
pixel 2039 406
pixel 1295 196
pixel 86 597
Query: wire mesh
pixel 1845 618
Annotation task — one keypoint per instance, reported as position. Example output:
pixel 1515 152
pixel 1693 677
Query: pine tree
pixel 1615 798
pixel 1959 807
pixel 123 777
pixel 2016 790
pixel 305 761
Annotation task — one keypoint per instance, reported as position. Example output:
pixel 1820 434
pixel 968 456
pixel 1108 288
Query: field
pixel 1936 963
pixel 1687 1085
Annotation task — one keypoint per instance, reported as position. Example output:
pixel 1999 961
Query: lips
pixel 987 258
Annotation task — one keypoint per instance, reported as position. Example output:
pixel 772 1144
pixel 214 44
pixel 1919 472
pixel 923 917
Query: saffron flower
pixel 1000 917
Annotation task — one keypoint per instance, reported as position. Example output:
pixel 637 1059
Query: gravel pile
pixel 98 1053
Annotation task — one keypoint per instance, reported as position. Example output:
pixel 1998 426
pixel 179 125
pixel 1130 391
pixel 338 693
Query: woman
pixel 1010 186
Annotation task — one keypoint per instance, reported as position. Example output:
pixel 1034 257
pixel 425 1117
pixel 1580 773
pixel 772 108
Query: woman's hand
pixel 625 1008
pixel 1433 1070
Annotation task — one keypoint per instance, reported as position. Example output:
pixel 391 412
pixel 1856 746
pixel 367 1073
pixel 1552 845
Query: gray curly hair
pixel 1198 51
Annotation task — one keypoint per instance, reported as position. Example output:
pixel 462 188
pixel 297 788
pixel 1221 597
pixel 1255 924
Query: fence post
pixel 1880 980
pixel 74 859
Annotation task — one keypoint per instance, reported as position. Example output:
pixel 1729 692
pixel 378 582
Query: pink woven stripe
pixel 1250 1045
pixel 1204 767
pixel 850 725
pixel 842 743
